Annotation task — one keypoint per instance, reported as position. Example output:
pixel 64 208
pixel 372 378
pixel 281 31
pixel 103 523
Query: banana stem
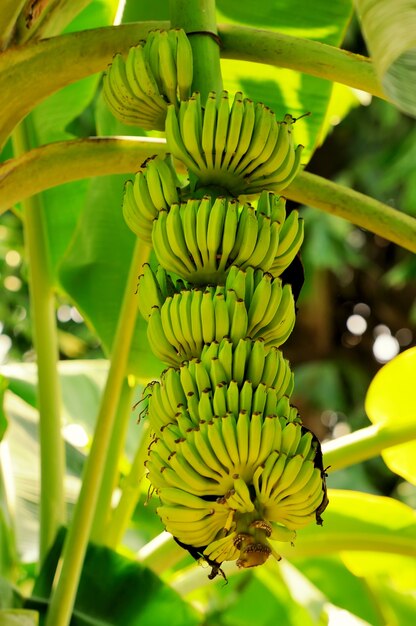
pixel 130 492
pixel 42 301
pixel 161 553
pixel 110 475
pixel 54 16
pixel 365 443
pixel 355 207
pixel 65 161
pixel 41 68
pixel 312 57
pixel 9 13
pixel 63 597
pixel 197 18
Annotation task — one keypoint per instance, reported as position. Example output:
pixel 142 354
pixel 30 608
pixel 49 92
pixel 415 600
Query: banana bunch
pixel 214 385
pixel 207 236
pixel 200 239
pixel 242 148
pixel 290 230
pixel 234 475
pixel 155 188
pixel 230 461
pixel 178 330
pixel 156 72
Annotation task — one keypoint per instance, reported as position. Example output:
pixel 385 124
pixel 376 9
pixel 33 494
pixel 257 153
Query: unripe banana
pixel 155 187
pixel 150 294
pixel 290 241
pixel 239 151
pixel 222 549
pixel 221 459
pixel 155 72
pixel 206 237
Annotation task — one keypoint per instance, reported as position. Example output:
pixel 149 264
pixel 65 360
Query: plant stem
pixel 197 18
pixel 54 16
pixel 366 443
pixel 65 161
pixel 8 548
pixel 63 597
pixel 355 207
pixel 161 553
pixel 316 541
pixel 130 493
pixel 42 303
pixel 62 162
pixel 110 476
pixel 312 57
pixel 327 543
pixel 9 13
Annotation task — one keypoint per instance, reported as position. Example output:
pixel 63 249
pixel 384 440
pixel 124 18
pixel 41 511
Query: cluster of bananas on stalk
pixel 156 72
pixel 242 149
pixel 200 239
pixel 250 303
pixel 233 466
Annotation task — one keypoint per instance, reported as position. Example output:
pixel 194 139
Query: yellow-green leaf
pixel 391 400
pixel 389 28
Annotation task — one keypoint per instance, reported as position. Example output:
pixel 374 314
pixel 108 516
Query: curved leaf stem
pixel 195 577
pixel 30 73
pixel 355 207
pixel 64 161
pixel 63 597
pixel 304 55
pixel 42 303
pixel 161 553
pixel 365 443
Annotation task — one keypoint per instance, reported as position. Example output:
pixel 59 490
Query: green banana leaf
pixel 82 383
pixel 358 521
pixel 390 399
pixel 389 28
pixel 333 578
pixel 320 609
pixel 276 602
pixel 124 592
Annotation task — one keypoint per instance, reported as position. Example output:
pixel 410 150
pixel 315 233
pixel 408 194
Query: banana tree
pixel 166 226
